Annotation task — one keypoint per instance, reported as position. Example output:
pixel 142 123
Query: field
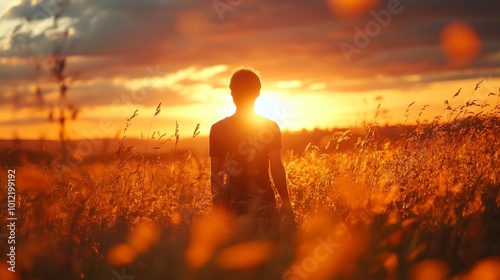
pixel 422 205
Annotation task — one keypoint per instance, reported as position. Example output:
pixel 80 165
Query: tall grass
pixel 429 200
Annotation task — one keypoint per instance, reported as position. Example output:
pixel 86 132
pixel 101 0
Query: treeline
pixel 18 152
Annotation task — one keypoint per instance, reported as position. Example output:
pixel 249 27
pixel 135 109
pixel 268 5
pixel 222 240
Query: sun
pixel 272 105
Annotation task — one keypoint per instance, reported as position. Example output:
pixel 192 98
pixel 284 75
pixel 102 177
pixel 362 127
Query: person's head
pixel 245 87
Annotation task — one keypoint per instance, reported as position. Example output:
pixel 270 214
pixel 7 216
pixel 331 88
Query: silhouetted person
pixel 243 148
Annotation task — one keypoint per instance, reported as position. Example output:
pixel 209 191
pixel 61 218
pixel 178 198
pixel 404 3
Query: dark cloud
pixel 283 39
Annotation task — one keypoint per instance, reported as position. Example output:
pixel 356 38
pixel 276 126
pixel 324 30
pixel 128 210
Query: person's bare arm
pixel 215 178
pixel 279 178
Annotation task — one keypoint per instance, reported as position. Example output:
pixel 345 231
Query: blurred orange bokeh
pixel 351 8
pixel 143 236
pixel 429 270
pixel 485 269
pixel 121 254
pixel 206 236
pixel 246 255
pixel 460 43
pixel 5 274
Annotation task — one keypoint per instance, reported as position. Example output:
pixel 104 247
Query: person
pixel 243 148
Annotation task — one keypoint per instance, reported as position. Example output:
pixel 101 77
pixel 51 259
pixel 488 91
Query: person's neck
pixel 245 111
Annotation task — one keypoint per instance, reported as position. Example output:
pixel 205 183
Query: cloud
pixel 285 40
pixel 24 121
pixel 23 10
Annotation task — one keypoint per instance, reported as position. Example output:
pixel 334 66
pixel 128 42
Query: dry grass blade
pixel 196 130
pixel 176 133
pixel 133 115
pixel 478 85
pixel 407 112
pixel 158 109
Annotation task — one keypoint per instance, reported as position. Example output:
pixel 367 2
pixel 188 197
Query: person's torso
pixel 245 144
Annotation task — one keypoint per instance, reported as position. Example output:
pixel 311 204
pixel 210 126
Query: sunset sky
pixel 323 63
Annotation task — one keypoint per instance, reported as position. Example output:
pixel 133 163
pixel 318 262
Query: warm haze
pixel 323 63
pixel 116 160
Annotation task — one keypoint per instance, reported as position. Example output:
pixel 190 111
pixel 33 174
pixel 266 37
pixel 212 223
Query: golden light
pixel 351 8
pixel 267 104
pixel 485 269
pixel 270 104
pixel 245 255
pixel 429 269
pixel 460 43
pixel 206 236
pixel 143 237
pixel 120 255
pixel 273 105
pixel 155 77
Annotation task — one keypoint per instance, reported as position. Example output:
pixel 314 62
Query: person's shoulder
pixel 220 123
pixel 268 122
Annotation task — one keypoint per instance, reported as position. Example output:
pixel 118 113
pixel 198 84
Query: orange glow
pixel 308 106
pixel 245 256
pixel 272 105
pixel 191 23
pixel 429 269
pixel 32 179
pixel 6 274
pixel 121 254
pixel 486 269
pixel 206 236
pixel 351 8
pixel 143 236
pixel 460 43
